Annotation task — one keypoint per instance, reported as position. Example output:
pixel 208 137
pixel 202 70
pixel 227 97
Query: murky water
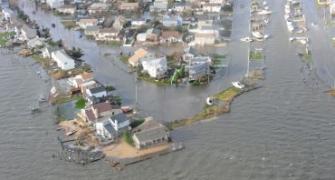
pixel 284 130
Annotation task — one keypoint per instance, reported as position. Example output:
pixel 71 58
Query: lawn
pixel 114 43
pixel 4 37
pixel 127 138
pixel 146 77
pixel 256 55
pixel 69 24
pixel 227 94
pixel 43 61
pixel 226 97
pixel 124 59
pixel 81 103
pixel 64 99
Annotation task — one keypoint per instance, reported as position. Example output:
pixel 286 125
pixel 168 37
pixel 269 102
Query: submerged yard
pixel 5 37
pixel 221 106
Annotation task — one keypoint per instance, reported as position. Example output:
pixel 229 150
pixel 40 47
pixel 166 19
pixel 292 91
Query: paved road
pixel 238 49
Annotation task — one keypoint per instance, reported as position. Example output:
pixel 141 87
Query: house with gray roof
pixel 105 130
pixel 150 133
pixel 46 51
pixel 97 92
pixel 120 122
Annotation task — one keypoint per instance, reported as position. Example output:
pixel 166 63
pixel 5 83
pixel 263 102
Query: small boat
pixel 238 84
pixel 246 39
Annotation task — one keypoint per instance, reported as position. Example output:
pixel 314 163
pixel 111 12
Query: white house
pixel 84 23
pixel 159 5
pixel 35 43
pixel 205 34
pixel 126 6
pixel 216 1
pixel 26 33
pixel 92 31
pixel 105 130
pixel 97 92
pixel 80 79
pixel 107 34
pixel 332 7
pixel 98 8
pixel 120 122
pixel 55 3
pixel 138 22
pixel 155 67
pixel 141 37
pixel 46 51
pixel 7 14
pixel 67 9
pixel 172 21
pixel 213 8
pixel 64 61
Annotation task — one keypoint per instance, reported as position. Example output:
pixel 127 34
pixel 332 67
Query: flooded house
pixel 47 51
pixel 79 80
pixel 152 35
pixel 110 128
pixel 171 36
pixel 138 22
pixel 55 3
pixel 172 20
pixel 64 61
pixel 25 33
pixel 67 9
pixel 35 43
pixel 96 111
pixel 149 134
pixel 119 23
pixel 128 6
pixel 92 31
pixel 7 14
pixel 98 7
pixel 134 60
pixel 86 22
pixel 205 34
pixel 107 34
pixel 332 8
pixel 197 66
pixel 155 67
pixel 212 7
pixel 323 2
pixel 120 122
pixel 159 6
pixel 198 71
pixel 105 131
pixel 98 91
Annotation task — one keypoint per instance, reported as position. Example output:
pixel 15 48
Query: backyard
pixel 5 37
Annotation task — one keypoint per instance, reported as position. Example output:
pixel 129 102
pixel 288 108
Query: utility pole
pixel 136 92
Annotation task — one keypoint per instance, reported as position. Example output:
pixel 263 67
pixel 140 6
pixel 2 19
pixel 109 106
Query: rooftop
pixel 97 89
pixel 150 134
